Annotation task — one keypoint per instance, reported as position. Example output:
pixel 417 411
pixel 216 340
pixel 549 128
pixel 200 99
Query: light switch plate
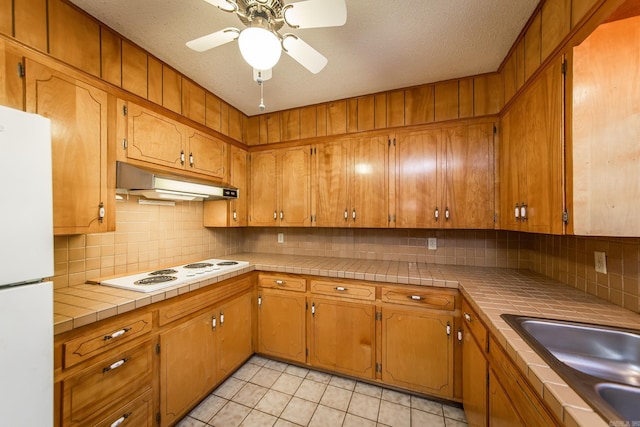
pixel 280 237
pixel 600 262
pixel 432 243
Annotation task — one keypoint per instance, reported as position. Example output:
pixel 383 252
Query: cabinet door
pixel 281 325
pixel 187 366
pixel 474 381
pixel 544 136
pixel 332 188
pixel 370 182
pixel 155 138
pixel 418 165
pixel 417 351
pixel 469 176
pixel 342 337
pixel 11 85
pixel 78 113
pixel 501 410
pixel 263 203
pixel 508 170
pixel 234 334
pixel 238 179
pixel 294 186
pixel 206 155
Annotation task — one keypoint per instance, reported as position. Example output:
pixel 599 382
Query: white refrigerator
pixel 26 260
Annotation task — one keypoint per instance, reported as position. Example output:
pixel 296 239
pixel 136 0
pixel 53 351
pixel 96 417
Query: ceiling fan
pixel 260 43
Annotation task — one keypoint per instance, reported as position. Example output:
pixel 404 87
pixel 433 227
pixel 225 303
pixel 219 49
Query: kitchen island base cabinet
pixel 417 350
pixel 281 324
pixel 341 337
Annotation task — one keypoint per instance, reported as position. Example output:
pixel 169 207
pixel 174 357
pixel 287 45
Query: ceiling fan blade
pixel 214 39
pixel 226 5
pixel 307 56
pixel 315 13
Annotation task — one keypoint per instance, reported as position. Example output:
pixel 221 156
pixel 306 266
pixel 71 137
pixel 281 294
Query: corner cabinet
pixel 531 156
pixel 418 340
pixel 280 185
pixel 445 177
pixel 154 138
pixel 83 199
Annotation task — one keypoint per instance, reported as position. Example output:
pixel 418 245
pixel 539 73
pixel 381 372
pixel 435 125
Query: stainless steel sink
pixel 600 363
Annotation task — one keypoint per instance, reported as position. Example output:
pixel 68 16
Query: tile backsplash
pixel 146 237
pixel 150 236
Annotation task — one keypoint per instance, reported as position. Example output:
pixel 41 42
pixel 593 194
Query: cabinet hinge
pixel 495 218
pixel 125 110
pixel 158 418
pixel 378 315
pixel 20 69
pixel 565 216
pixel 495 129
pixel 157 348
pixel 378 367
pixel 564 67
pixel 125 144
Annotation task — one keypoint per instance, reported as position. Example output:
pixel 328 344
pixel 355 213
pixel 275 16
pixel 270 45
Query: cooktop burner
pixel 227 263
pixel 164 272
pixel 154 279
pixel 198 265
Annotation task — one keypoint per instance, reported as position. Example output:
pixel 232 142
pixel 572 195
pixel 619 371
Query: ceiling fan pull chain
pixel 261 106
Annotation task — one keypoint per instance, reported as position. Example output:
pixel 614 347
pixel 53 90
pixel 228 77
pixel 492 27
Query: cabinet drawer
pixel 344 289
pixel 475 325
pixel 103 387
pixel 289 283
pixel 138 413
pixel 437 299
pixel 104 338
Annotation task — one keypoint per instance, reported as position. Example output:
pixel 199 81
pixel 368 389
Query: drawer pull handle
pixel 467 317
pixel 280 282
pixel 415 297
pixel 117 334
pixel 341 288
pixel 115 365
pixel 120 420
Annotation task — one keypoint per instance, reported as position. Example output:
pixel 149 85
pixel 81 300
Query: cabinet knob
pixel 467 317
pixel 191 159
pixel 182 157
pixel 523 212
pixel 214 322
pixel 235 215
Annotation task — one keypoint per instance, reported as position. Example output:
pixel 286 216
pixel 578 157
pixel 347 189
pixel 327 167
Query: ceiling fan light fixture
pixel 260 47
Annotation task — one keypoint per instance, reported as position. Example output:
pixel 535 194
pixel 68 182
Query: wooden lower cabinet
pixel 342 336
pixel 501 410
pixel 281 324
pixel 417 350
pixel 234 334
pixel 97 392
pixel 140 412
pixel 474 380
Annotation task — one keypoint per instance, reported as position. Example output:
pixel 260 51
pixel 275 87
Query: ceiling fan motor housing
pixel 261 12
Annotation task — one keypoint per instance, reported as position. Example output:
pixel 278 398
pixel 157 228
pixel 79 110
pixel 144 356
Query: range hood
pixel 141 182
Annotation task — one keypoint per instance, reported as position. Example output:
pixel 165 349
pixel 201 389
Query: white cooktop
pixel 173 276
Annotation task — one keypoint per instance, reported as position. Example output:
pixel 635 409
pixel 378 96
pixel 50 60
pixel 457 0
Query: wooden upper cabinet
pixel 366 114
pixel 488 94
pixel 336 118
pixel 290 125
pixel 395 108
pixel 206 155
pixel 419 105
pixel 605 129
pixel 155 138
pixel 446 101
pixel 308 122
pixel 212 112
pixel 351 183
pixel 556 23
pixel 81 170
pixel 238 179
pixel 418 176
pixel 469 176
pixel 74 37
pixel 111 57
pixel 11 86
pixel 171 89
pixel 281 187
pixel 134 69
pixel 193 101
pixel 30 22
pixel 263 203
pixel 532 47
pixel 6 17
pixel 236 122
pixel 154 80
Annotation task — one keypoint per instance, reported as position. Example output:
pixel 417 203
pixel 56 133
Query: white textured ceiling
pixel 384 45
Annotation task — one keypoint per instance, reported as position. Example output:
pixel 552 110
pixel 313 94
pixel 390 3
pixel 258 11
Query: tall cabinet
pixel 531 156
pixel 83 202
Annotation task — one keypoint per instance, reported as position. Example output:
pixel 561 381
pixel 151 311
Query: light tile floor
pixel 266 392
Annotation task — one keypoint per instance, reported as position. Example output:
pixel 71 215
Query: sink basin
pixel 600 363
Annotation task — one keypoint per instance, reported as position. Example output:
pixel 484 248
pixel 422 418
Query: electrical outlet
pixel 280 237
pixel 600 262
pixel 432 243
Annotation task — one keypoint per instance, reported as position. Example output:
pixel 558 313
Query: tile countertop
pixel 491 292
